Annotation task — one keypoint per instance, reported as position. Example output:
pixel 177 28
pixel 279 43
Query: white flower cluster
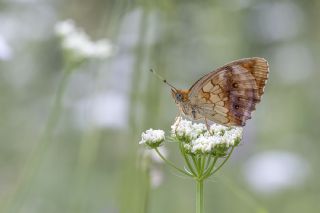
pixel 78 43
pixel 198 140
pixel 184 129
pixel 152 138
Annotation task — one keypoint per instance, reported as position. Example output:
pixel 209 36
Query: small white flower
pixel 233 135
pixel 187 147
pixel 181 127
pixel 199 128
pixel 205 144
pixel 186 129
pixel 152 138
pixel 218 129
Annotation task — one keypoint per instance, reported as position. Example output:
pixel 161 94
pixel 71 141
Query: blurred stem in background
pixel 130 201
pixel 242 194
pixel 90 141
pixel 87 153
pixel 144 166
pixel 24 185
pixel 77 48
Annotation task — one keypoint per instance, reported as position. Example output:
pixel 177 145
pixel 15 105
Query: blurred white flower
pixel 101 48
pixel 96 110
pixel 5 50
pixel 153 163
pixel 155 157
pixel 278 21
pixel 156 177
pixel 151 154
pixel 198 140
pixel 274 171
pixel 77 43
pixel 65 28
pixel 152 138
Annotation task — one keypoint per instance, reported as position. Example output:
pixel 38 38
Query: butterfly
pixel 227 95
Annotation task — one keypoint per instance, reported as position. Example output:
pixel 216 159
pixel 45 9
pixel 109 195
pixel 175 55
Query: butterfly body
pixel 227 95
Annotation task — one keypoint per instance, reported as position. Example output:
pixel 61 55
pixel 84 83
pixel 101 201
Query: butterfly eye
pixel 179 97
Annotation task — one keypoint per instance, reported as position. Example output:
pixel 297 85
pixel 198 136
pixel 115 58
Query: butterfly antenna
pixel 162 79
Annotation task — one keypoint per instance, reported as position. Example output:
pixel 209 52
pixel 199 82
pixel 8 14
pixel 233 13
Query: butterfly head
pixel 180 96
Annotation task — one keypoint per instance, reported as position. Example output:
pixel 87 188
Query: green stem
pixel 208 161
pixel 208 172
pixel 227 158
pixel 199 162
pixel 33 163
pixel 186 159
pixel 195 162
pixel 86 155
pixel 171 164
pixel 199 196
pixel 147 189
pixel 54 114
pixel 203 163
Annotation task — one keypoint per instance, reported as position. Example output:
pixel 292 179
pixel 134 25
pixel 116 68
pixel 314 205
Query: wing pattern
pixel 229 94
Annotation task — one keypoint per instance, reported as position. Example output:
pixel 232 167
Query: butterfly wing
pixel 229 94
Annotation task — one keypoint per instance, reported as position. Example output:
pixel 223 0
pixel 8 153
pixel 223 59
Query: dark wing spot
pixel 235 85
pixel 193 113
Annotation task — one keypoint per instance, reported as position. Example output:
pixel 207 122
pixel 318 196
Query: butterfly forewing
pixel 229 94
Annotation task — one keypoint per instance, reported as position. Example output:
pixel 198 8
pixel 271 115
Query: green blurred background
pixel 92 163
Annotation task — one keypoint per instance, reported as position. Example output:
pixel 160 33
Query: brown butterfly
pixel 226 95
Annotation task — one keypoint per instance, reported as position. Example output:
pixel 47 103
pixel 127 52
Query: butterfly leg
pixel 177 117
pixel 207 125
pixel 176 120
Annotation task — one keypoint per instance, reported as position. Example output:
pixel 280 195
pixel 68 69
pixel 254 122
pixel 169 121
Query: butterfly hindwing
pixel 229 94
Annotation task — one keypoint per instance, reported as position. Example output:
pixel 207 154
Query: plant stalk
pixel 171 164
pixel 32 165
pixel 199 196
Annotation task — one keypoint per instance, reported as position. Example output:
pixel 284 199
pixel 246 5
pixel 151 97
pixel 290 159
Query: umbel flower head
pixel 152 138
pixel 197 139
pixel 202 147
